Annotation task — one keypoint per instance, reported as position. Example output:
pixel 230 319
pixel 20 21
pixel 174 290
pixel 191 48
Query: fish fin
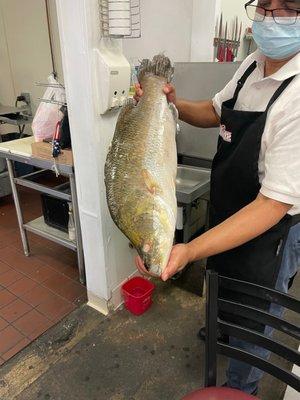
pixel 174 111
pixel 160 66
pixel 175 115
pixel 152 186
pixel 126 109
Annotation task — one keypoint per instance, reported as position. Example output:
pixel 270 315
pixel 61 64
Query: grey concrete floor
pixel 156 356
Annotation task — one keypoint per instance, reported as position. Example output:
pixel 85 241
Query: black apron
pixel 235 184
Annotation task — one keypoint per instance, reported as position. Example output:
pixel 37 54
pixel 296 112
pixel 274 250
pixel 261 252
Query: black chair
pixel 216 306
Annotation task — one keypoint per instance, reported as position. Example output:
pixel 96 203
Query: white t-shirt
pixel 279 159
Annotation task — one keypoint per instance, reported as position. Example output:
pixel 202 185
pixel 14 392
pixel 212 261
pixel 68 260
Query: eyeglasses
pixel 282 16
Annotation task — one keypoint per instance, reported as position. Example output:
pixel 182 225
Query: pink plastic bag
pixel 47 114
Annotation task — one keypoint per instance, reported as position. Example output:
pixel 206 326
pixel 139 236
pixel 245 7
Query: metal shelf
pixel 39 227
pixel 20 150
pixel 43 189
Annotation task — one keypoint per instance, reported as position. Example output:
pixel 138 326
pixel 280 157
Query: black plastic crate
pixel 56 211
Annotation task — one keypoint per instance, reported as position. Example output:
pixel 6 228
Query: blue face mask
pixel 277 41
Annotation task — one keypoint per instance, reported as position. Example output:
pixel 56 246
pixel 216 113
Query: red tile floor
pixel 37 291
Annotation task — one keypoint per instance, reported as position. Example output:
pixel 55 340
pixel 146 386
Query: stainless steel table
pixel 192 185
pixel 12 110
pixel 15 115
pixel 20 150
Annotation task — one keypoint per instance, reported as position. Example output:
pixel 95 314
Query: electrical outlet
pixel 27 101
pixel 26 97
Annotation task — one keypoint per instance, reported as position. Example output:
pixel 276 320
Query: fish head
pixel 155 240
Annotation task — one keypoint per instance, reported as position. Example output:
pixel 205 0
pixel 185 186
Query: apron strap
pixel 242 80
pixel 279 91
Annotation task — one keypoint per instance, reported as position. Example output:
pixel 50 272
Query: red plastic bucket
pixel 137 294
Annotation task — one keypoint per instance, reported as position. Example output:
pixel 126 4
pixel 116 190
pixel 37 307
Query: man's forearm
pixel 245 225
pixel 198 113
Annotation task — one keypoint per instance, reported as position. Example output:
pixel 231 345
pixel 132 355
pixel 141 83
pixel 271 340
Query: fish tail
pixel 160 66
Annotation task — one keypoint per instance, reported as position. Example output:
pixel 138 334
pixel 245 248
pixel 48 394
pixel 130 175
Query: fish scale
pixel 141 166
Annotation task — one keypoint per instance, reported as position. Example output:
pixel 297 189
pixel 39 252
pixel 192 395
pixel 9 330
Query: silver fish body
pixel 141 166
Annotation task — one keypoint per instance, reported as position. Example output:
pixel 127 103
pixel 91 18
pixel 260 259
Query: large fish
pixel 140 170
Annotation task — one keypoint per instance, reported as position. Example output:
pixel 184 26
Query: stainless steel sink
pixel 191 183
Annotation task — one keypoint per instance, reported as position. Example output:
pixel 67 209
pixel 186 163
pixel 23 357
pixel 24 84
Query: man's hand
pixel 169 91
pixel 138 92
pixel 178 260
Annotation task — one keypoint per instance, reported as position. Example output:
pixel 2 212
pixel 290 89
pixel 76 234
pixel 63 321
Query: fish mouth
pixel 155 269
pixel 147 266
pixel 151 264
pixel 145 257
pixel 147 263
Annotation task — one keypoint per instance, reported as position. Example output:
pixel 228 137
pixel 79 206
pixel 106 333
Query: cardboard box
pixel 44 150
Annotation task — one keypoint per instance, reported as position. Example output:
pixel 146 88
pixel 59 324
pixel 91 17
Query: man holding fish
pixel 255 181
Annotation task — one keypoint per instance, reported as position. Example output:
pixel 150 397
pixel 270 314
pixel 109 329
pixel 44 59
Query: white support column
pixel 77 21
pixel 203 29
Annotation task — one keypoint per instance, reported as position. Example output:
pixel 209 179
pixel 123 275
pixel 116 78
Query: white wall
pixel 166 27
pixel 25 49
pixel 55 41
pixel 230 9
pixel 203 30
pixel 182 29
pixel 108 259
pixel 6 82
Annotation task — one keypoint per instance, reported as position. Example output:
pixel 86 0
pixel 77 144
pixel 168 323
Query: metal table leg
pixel 18 207
pixel 80 256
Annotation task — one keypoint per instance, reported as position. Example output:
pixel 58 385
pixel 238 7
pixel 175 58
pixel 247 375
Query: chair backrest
pixel 217 305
